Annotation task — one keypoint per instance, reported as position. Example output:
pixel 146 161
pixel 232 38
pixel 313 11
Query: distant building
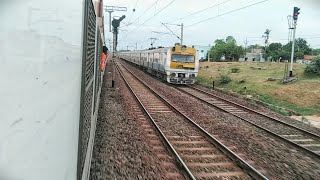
pixel 257 50
pixel 254 57
pixel 307 59
pixel 202 52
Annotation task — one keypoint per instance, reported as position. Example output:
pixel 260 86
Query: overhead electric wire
pixel 158 12
pixel 170 30
pixel 146 11
pixel 197 12
pixel 152 16
pixel 229 12
pixel 139 16
pixel 135 6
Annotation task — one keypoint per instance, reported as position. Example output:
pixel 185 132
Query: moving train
pixel 176 65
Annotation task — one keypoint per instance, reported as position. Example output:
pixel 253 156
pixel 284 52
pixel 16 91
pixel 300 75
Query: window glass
pixel 182 58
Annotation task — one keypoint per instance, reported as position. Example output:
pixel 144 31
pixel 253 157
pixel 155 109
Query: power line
pixel 135 6
pixel 158 12
pixel 170 30
pixel 197 12
pixel 127 25
pixel 146 11
pixel 151 17
pixel 244 7
pixel 310 37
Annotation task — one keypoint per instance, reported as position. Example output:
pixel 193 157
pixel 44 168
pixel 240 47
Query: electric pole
pixel 245 48
pixel 181 34
pixel 111 9
pixel 266 40
pixel 153 40
pixel 209 53
pixel 295 19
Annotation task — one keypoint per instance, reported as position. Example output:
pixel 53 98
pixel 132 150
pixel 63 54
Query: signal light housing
pixel 296 13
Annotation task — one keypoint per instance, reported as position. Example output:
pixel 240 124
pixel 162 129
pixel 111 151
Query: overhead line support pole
pixel 209 53
pixel 181 34
pixel 245 49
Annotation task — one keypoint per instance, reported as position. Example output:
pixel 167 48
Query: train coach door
pixel 160 61
pixel 152 60
pixel 148 60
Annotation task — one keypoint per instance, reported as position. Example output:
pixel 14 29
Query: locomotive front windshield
pixel 183 58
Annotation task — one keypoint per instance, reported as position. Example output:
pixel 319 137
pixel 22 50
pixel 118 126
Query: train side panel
pixel 161 63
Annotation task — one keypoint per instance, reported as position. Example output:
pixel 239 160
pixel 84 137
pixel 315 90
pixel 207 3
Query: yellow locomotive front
pixel 183 65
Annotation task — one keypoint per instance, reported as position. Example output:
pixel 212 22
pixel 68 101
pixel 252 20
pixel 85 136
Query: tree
pixel 274 51
pixel 231 40
pixel 301 48
pixel 217 51
pixel 256 46
pixel 227 48
pixel 238 52
pixel 315 52
pixel 314 67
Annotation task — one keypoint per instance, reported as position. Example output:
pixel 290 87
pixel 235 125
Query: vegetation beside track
pixel 251 79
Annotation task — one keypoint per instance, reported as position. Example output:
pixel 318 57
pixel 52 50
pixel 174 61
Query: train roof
pixel 160 49
pixel 164 49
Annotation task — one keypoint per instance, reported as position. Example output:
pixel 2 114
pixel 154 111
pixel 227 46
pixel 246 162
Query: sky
pixel 242 19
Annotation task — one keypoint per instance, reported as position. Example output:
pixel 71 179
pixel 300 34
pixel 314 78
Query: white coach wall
pixel 40 84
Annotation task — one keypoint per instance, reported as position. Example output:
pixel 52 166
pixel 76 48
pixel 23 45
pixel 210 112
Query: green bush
pixel 224 79
pixel 235 70
pixel 314 67
pixel 242 81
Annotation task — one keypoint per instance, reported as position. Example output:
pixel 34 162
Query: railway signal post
pixel 116 24
pixel 111 9
pixel 295 19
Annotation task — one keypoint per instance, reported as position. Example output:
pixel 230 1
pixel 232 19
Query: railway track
pixel 306 141
pixel 199 154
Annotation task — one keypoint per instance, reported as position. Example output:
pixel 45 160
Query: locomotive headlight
pixel 173 74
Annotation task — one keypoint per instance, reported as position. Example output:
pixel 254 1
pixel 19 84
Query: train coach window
pixel 182 58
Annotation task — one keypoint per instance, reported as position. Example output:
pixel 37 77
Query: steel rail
pixel 257 112
pixel 254 124
pixel 168 144
pixel 229 153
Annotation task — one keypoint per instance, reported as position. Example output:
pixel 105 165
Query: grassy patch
pixel 284 107
pixel 235 70
pixel 302 96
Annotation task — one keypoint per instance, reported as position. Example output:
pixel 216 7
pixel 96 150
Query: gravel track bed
pixel 265 122
pixel 174 125
pixel 177 127
pixel 121 150
pixel 278 159
pixel 261 108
